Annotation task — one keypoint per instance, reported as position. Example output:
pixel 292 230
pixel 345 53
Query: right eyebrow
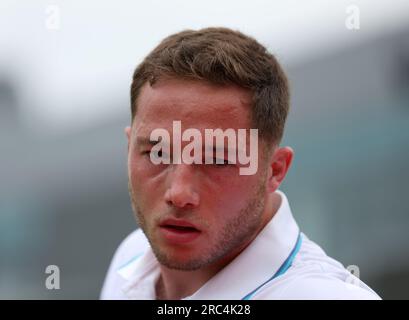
pixel 145 141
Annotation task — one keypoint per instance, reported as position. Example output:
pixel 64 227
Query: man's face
pixel 225 207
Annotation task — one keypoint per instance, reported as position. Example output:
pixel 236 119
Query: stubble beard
pixel 237 231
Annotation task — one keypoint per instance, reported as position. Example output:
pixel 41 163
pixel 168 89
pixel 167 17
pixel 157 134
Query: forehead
pixel 197 104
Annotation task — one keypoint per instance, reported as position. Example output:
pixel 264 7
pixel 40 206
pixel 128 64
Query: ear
pixel 128 134
pixel 280 162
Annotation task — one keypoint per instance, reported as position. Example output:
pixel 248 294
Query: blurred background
pixel 65 72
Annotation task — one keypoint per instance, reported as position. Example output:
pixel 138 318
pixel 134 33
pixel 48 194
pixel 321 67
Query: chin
pixel 181 262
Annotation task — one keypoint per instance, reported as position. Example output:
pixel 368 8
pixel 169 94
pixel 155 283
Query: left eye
pixel 221 162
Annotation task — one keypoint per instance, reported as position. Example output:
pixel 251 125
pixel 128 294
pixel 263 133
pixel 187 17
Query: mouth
pixel 179 231
pixel 180 228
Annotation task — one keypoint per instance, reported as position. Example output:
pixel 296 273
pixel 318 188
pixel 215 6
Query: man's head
pixel 223 57
pixel 207 79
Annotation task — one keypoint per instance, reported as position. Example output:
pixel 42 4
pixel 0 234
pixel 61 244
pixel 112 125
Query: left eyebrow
pixel 225 149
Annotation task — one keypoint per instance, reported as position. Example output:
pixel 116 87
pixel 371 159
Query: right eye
pixel 156 155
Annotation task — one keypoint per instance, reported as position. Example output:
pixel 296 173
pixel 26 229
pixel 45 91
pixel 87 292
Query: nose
pixel 181 192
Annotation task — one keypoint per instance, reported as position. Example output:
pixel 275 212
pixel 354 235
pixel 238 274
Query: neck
pixel 178 284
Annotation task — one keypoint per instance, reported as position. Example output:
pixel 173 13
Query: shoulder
pixel 133 244
pixel 314 275
pixel 130 248
pixel 322 287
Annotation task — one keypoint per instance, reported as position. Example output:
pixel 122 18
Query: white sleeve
pixel 113 283
pixel 321 288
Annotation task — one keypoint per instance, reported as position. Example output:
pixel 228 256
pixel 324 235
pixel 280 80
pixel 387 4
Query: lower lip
pixel 179 236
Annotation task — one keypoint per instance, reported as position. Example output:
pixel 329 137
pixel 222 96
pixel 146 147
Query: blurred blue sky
pixel 62 72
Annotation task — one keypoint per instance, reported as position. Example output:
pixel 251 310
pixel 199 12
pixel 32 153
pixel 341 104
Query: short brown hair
pixel 222 56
